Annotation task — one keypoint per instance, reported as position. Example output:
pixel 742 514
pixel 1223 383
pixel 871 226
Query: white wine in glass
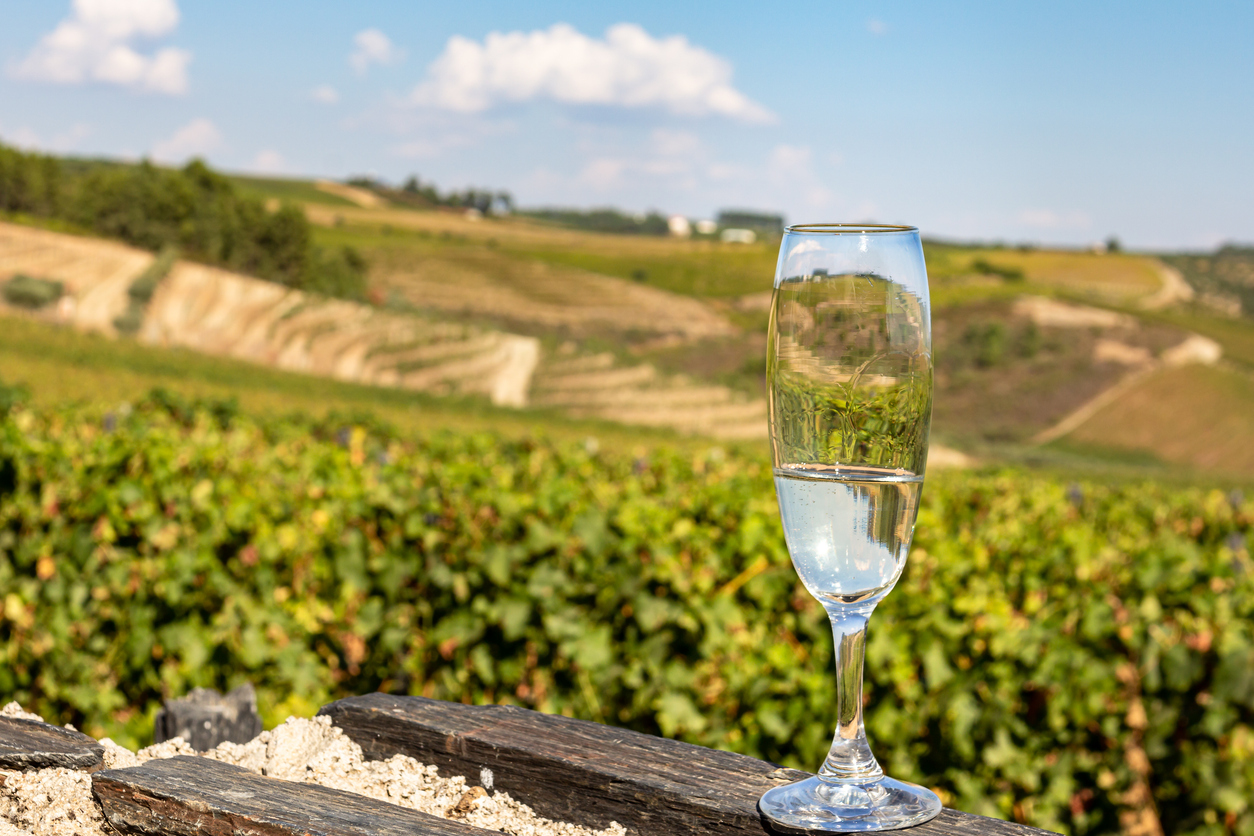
pixel 849 376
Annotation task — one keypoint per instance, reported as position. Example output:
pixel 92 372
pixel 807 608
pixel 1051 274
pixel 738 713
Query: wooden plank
pixel 191 795
pixel 29 744
pixel 591 774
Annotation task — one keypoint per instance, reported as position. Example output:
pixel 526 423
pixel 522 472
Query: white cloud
pixel 434 134
pixel 877 27
pixel 1049 219
pixel 432 147
pixel 93 44
pixel 195 139
pixel 325 93
pixel 726 171
pixel 791 168
pixel 372 47
pixel 603 173
pixel 268 161
pixel 629 68
pixel 670 143
pixel 789 162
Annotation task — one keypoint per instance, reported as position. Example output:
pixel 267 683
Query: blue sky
pixel 1054 123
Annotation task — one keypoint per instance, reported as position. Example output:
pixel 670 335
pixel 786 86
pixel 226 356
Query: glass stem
pixel 850 759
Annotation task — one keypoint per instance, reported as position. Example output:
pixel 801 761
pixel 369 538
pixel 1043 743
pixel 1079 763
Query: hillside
pixel 1036 350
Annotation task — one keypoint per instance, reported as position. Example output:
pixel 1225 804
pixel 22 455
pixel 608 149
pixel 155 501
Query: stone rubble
pixel 58 802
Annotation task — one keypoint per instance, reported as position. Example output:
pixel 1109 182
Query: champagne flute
pixel 849 374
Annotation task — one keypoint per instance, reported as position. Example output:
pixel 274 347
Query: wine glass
pixel 849 374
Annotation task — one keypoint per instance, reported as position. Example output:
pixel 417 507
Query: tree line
pixel 194 209
pixel 417 194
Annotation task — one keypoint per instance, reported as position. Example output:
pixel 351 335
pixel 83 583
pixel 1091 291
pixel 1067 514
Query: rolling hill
pixel 1036 349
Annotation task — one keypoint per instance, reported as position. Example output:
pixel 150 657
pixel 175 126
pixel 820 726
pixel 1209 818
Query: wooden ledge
pixel 190 795
pixel 590 774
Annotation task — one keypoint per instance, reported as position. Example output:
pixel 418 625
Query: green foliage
pixel 145 284
pixel 986 343
pixel 602 220
pixel 764 223
pixel 1226 275
pixel 10 396
pixel 415 194
pixel 141 291
pixel 131 319
pixel 30 292
pixel 337 271
pixel 196 210
pixel 1010 274
pixel 1050 648
pixel 29 183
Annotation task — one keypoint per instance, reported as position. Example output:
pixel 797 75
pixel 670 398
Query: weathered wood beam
pixel 29 744
pixel 188 795
pixel 591 774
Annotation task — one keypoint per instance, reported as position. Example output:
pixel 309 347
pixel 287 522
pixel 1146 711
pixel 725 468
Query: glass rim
pixel 848 229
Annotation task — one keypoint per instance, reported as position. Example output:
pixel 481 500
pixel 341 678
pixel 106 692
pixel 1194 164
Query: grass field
pixel 1198 416
pixel 59 365
pixel 1235 335
pixel 696 309
pixel 692 268
pixel 298 191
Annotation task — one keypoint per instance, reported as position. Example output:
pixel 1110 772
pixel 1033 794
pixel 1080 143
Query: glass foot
pixel 828 806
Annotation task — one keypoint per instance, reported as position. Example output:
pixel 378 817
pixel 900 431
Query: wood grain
pixel 189 795
pixel 591 774
pixel 29 744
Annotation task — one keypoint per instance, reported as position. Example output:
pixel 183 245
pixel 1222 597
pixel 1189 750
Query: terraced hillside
pixel 95 273
pixel 1224 279
pixel 220 313
pixel 592 386
pixel 1032 346
pixel 217 312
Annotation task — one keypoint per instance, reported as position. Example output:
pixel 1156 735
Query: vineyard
pixel 217 312
pixel 1072 655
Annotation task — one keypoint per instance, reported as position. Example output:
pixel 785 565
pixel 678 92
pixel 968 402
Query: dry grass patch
pixel 1111 277
pixel 1193 415
pixel 483 283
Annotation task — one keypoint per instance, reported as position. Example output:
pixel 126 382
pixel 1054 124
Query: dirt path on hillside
pixel 1174 289
pixel 362 197
pixel 1193 349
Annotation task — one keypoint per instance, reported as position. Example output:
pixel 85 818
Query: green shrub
pixel 130 320
pixel 195 210
pixel 337 272
pixel 1010 274
pixel 145 284
pixel 11 394
pixel 985 343
pixel 1051 647
pixel 30 292
pixel 141 291
pixel 29 183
